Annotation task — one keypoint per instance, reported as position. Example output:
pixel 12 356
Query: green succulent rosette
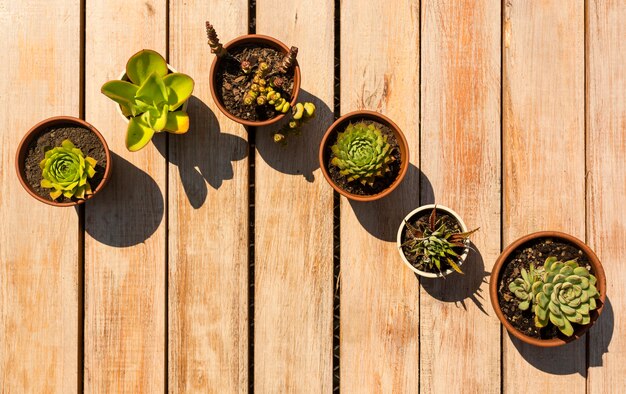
pixel 66 170
pixel 362 153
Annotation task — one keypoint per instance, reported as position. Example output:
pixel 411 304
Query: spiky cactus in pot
pixel 362 153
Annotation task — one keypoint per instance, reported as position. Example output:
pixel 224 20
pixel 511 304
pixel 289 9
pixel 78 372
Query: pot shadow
pixel 381 218
pixel 300 155
pixel 203 154
pixel 559 360
pixel 128 210
pixel 457 287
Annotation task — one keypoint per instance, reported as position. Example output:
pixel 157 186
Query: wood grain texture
pixel 379 294
pixel 544 165
pixel 460 154
pixel 606 185
pixel 208 226
pixel 294 222
pixel 38 243
pixel 125 242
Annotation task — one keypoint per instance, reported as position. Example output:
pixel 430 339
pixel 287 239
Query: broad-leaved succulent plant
pixel 362 153
pixel 65 170
pixel 433 243
pixel 562 293
pixel 152 98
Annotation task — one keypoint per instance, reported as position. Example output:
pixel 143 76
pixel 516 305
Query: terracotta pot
pixel 341 124
pixel 252 40
pixel 124 77
pixel 417 212
pixel 597 269
pixel 22 150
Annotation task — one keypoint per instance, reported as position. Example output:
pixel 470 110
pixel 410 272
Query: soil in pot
pixel 534 252
pixel 51 137
pixel 420 221
pixel 232 83
pixel 380 184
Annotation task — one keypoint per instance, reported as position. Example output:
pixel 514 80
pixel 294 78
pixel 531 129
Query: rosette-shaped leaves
pixel 567 295
pixel 362 153
pixel 151 99
pixel 65 170
pixel 526 287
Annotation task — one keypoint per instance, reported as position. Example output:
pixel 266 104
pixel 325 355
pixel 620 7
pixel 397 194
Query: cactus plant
pixel 433 243
pixel 301 114
pixel 562 293
pixel 151 99
pixel 65 170
pixel 362 153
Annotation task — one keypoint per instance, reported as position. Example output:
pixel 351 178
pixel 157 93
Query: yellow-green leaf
pixel 138 134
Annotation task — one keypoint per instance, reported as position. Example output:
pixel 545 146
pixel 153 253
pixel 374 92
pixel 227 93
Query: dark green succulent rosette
pixel 66 170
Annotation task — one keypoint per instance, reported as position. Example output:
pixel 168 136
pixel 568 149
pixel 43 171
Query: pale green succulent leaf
pixel 138 134
pixel 144 63
pixel 122 92
pixel 177 122
pixel 179 87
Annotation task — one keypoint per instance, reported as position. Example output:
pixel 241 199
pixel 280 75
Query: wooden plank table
pixel 217 261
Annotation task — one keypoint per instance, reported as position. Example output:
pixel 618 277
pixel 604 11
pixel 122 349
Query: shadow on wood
pixel 558 360
pixel 300 155
pixel 128 210
pixel 203 154
pixel 457 287
pixel 381 218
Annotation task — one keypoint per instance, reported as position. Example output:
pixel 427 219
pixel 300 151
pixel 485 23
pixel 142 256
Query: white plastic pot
pixel 417 212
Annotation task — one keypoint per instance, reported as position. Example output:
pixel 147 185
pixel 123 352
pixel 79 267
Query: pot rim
pixel 414 212
pixel 598 271
pixel 39 127
pixel 258 39
pixel 404 147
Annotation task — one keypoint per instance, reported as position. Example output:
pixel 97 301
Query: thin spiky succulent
pixel 362 153
pixel 433 243
pixel 526 286
pixel 65 170
pixel 568 295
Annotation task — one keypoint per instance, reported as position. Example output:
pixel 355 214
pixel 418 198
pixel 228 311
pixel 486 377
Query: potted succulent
pixel 364 155
pixel 152 97
pixel 63 161
pixel 255 79
pixel 433 241
pixel 547 288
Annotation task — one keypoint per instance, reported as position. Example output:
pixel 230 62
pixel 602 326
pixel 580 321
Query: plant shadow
pixel 457 287
pixel 203 154
pixel 559 360
pixel 300 155
pixel 381 218
pixel 128 210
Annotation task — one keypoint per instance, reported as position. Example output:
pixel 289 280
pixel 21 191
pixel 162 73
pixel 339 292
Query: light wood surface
pixel 606 185
pixel 39 258
pixel 125 240
pixel 460 155
pixel 515 114
pixel 208 225
pixel 380 323
pixel 544 160
pixel 294 223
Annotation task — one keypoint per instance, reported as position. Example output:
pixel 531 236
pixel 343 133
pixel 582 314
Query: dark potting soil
pixel 52 137
pixel 232 83
pixel 419 222
pixel 534 252
pixel 380 184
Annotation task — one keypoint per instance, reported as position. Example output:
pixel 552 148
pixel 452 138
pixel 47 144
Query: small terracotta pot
pixel 252 40
pixel 124 77
pixel 341 124
pixel 417 212
pixel 597 269
pixel 22 150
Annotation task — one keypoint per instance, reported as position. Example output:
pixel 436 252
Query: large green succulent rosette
pixel 66 170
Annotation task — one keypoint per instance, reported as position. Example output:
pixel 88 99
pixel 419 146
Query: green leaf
pixel 454 266
pixel 153 91
pixel 144 63
pixel 179 87
pixel 177 122
pixel 524 305
pixel 121 92
pixel 138 134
